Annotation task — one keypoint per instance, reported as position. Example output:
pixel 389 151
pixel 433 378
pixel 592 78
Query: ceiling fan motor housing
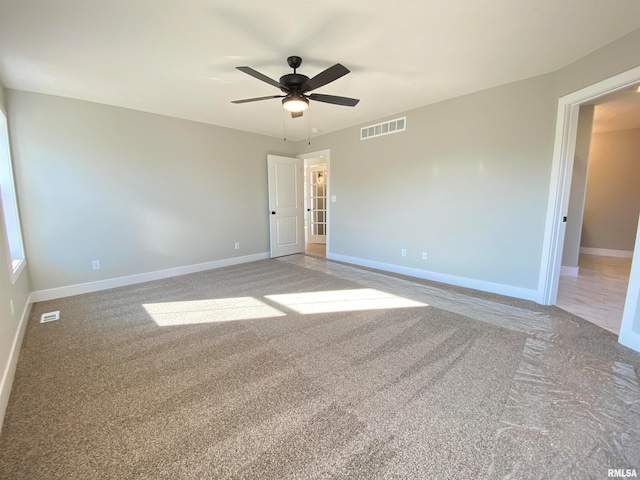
pixel 292 82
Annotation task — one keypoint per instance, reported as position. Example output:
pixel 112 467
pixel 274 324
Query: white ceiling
pixel 617 111
pixel 177 57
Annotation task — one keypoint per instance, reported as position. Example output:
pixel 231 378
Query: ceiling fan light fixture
pixel 296 87
pixel 295 103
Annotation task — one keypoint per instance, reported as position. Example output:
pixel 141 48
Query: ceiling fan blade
pixel 257 99
pixel 335 100
pixel 260 76
pixel 327 76
pixel 296 114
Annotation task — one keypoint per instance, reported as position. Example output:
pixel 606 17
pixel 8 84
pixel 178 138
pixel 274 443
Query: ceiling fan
pixel 296 87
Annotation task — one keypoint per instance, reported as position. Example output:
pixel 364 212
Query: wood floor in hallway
pixel 598 293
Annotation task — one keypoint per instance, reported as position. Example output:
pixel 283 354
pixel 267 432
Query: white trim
pixel 568 271
pixel 78 289
pixel 630 325
pixel 507 290
pixel 605 252
pixel 9 207
pixel 327 155
pixel 10 369
pixel 561 170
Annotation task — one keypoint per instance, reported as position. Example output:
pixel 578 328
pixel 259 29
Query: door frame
pixel 561 172
pixel 327 155
pixel 630 336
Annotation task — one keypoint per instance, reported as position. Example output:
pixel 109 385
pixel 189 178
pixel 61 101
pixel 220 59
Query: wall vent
pixel 385 128
pixel 50 317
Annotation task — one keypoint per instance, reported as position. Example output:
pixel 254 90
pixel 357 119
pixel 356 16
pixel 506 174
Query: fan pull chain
pixel 284 129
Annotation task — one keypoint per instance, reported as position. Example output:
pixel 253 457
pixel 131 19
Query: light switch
pixel 333 199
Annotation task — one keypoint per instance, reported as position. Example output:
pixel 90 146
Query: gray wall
pixel 610 60
pixel 571 251
pixel 613 195
pixel 467 182
pixel 138 191
pixel 9 324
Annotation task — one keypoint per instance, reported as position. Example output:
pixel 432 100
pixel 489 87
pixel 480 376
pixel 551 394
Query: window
pixel 10 204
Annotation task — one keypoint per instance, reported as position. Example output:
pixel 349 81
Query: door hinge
pixel 564 219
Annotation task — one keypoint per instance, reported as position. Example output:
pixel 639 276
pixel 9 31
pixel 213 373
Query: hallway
pixel 598 293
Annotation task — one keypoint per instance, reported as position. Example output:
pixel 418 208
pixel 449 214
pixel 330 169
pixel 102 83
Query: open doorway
pixel 563 161
pixel 316 203
pixel 604 205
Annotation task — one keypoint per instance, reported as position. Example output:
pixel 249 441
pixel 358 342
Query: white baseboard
pixel 79 289
pixel 507 290
pixel 9 372
pixel 605 252
pixel 569 271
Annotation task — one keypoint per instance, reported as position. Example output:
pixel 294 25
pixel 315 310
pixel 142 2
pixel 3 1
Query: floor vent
pixel 386 128
pixel 50 317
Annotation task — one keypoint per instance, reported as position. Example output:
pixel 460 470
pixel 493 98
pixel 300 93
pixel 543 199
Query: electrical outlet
pixel 403 252
pixel 424 255
pixel 237 246
pixel 96 264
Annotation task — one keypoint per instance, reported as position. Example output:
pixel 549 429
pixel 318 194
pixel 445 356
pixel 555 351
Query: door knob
pixel 273 212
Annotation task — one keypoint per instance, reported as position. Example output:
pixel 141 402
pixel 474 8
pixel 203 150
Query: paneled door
pixel 317 203
pixel 286 205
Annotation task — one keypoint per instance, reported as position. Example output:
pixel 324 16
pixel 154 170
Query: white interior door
pixel 317 203
pixel 286 205
pixel 630 327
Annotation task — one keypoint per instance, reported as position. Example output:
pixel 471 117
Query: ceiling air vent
pixel 392 126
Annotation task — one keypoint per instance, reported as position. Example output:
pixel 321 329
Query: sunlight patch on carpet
pixel 209 311
pixel 343 301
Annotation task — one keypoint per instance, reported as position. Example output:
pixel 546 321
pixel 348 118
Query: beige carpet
pixel 305 368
